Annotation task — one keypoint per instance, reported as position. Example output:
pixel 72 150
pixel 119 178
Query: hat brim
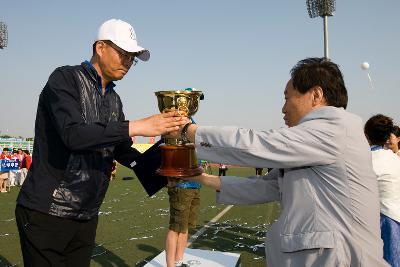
pixel 143 54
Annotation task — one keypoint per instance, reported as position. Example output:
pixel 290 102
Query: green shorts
pixel 184 205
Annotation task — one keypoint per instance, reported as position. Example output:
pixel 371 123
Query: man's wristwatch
pixel 184 137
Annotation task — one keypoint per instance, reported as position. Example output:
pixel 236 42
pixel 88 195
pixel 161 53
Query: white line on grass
pixel 213 220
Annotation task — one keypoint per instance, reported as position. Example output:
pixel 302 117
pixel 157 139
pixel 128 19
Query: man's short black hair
pixel 378 129
pixel 94 48
pixel 311 72
pixel 396 131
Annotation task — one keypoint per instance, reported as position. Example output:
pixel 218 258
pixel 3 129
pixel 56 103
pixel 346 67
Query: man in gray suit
pixel 322 176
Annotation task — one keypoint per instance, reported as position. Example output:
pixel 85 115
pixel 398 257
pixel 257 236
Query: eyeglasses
pixel 126 57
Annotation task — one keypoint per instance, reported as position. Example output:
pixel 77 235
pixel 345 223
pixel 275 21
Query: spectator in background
pixel 5 153
pixel 259 171
pixel 14 154
pixel 393 141
pixel 387 168
pixel 14 175
pixel 4 174
pixel 28 159
pixel 20 155
pixel 206 166
pixel 222 169
pixel 26 164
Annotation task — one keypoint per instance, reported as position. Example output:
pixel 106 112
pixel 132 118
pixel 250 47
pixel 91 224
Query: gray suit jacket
pixel 323 179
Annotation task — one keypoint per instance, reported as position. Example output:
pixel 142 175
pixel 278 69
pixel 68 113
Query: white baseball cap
pixel 123 35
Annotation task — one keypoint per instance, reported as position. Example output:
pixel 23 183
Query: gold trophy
pixel 178 157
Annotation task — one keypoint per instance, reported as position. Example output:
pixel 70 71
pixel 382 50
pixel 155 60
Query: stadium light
pixel 3 35
pixel 322 8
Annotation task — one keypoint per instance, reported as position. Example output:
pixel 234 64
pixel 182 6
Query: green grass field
pixel 132 226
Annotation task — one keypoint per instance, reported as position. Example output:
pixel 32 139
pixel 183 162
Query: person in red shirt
pixel 5 154
pixel 20 156
pixel 26 164
pixel 28 159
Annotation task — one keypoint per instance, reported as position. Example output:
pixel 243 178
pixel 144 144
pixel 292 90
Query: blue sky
pixel 238 53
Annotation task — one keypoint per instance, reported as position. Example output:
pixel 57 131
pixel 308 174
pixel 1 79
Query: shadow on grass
pixel 147 248
pixel 107 258
pixel 127 178
pixel 243 232
pixel 4 262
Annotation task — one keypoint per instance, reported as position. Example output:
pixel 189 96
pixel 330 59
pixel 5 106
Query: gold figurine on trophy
pixel 178 157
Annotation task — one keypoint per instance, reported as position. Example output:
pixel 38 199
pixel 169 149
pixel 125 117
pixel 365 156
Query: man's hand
pixel 206 179
pixel 160 124
pixel 176 134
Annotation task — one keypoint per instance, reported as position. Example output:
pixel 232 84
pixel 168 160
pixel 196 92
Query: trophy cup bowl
pixel 178 158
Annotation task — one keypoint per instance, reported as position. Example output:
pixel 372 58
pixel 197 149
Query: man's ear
pixel 318 96
pixel 100 46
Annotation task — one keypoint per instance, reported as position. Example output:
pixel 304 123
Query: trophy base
pixel 179 161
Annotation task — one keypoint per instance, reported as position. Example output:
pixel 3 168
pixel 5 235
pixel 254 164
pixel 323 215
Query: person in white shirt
pixel 15 174
pixel 393 141
pixel 386 165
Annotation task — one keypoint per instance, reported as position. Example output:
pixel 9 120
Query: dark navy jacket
pixel 78 133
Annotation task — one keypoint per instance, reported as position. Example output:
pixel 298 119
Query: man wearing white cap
pixel 80 129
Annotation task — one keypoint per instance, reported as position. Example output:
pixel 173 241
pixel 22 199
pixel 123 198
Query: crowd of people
pixel 16 176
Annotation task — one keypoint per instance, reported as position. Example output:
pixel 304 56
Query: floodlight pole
pixel 3 35
pixel 323 9
pixel 326 46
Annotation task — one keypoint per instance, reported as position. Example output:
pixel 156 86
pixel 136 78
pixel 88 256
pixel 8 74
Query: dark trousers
pixel 48 240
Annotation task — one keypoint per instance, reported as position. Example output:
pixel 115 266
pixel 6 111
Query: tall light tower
pixel 322 8
pixel 3 35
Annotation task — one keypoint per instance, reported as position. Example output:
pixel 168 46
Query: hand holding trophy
pixel 178 157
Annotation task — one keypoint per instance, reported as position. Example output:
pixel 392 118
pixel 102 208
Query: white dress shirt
pixel 386 165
